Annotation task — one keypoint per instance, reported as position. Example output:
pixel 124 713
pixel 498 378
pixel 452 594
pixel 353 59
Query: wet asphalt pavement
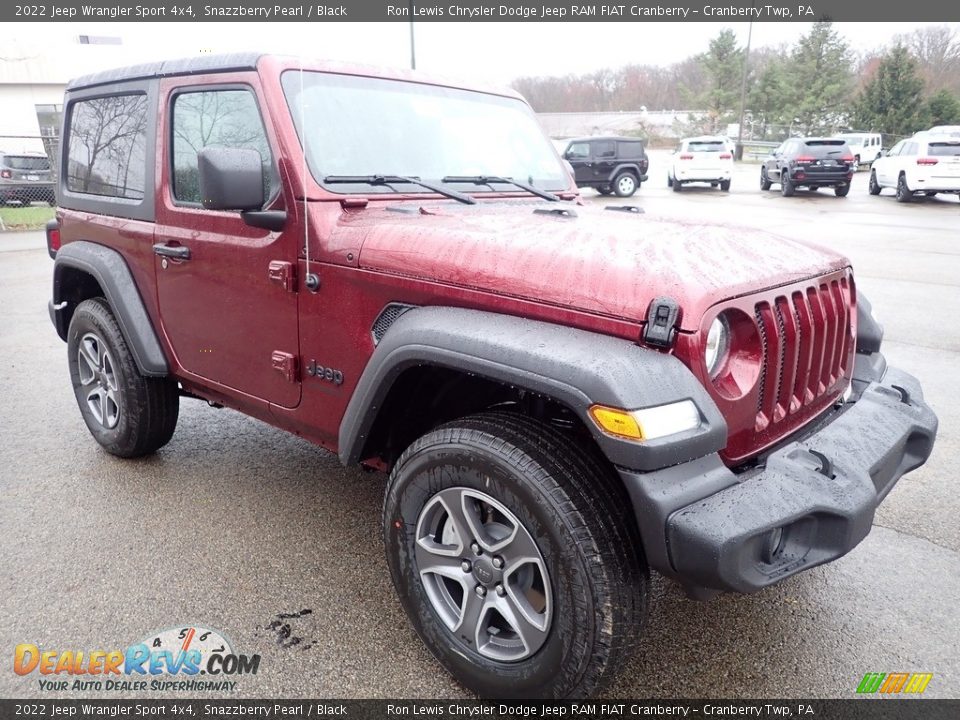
pixel 235 522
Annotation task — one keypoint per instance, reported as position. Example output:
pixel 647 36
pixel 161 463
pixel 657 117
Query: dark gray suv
pixel 608 164
pixel 25 177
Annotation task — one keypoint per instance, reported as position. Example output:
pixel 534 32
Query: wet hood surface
pixel 598 261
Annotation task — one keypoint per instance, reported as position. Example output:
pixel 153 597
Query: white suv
pixel 706 159
pixel 925 163
pixel 866 147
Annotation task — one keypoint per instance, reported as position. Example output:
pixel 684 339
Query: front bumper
pixel 810 502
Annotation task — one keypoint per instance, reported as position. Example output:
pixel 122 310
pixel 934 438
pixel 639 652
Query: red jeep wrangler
pixel 400 270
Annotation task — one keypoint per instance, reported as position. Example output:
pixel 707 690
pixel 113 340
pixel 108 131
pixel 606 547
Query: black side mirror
pixel 230 178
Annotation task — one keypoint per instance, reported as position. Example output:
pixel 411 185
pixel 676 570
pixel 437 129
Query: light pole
pixel 413 49
pixel 743 91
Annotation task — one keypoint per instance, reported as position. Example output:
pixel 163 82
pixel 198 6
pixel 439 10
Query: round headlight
pixel 718 343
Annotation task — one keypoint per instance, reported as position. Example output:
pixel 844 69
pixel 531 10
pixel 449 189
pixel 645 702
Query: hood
pixel 599 261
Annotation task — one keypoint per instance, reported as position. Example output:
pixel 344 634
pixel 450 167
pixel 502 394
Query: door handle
pixel 172 251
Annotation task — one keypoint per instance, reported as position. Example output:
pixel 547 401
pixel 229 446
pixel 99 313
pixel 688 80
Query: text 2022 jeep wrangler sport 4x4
pixel 400 270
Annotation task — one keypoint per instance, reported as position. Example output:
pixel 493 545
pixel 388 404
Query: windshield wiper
pixel 388 179
pixel 487 179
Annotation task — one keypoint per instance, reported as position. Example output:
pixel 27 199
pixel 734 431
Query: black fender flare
pixel 111 272
pixel 575 367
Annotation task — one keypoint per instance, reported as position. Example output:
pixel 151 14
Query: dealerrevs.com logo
pixel 190 658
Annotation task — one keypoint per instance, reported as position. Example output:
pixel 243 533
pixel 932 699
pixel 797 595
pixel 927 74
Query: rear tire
pixel 725 185
pixel 787 188
pixel 677 185
pixel 903 192
pixel 841 190
pixel 874 186
pixel 128 414
pixel 625 184
pixel 498 476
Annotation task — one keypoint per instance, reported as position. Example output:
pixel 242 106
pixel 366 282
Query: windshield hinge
pixel 283 274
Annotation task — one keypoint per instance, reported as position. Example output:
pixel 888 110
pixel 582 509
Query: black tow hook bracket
pixel 904 394
pixel 826 467
pixel 635 209
pixel 561 211
pixel 662 317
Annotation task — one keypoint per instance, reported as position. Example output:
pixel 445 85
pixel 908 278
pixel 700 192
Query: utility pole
pixel 413 49
pixel 743 91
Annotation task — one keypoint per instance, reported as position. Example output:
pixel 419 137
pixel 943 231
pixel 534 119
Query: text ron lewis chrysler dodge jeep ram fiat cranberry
pixel 400 270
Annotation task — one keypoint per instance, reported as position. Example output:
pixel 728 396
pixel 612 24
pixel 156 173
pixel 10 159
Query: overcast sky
pixel 490 52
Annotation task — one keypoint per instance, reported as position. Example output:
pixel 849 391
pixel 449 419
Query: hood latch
pixel 662 318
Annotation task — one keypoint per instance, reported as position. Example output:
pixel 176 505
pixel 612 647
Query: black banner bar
pixel 853 709
pixel 481 11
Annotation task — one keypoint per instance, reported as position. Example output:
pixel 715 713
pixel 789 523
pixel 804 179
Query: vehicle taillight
pixel 726 156
pixel 6 174
pixel 804 159
pixel 686 157
pixel 53 238
pixel 926 161
pixel 847 159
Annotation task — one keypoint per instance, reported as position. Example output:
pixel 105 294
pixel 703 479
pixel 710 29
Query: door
pixel 225 290
pixel 884 167
pixel 578 155
pixel 603 154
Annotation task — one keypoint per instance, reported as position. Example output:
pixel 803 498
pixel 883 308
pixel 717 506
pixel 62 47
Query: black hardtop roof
pixel 618 138
pixel 225 62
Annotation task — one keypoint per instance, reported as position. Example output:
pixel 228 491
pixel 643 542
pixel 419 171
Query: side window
pixel 107 142
pixel 604 149
pixel 215 118
pixel 909 149
pixel 578 151
pixel 895 150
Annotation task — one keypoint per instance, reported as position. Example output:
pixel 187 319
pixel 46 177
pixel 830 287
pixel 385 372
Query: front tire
pixel 515 556
pixel 128 414
pixel 765 183
pixel 625 184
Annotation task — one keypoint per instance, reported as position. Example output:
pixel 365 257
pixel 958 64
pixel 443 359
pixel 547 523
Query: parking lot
pixel 234 522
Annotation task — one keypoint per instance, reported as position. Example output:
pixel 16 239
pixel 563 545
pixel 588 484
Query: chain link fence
pixel 28 180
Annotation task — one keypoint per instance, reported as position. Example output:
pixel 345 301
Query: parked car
pixel 564 396
pixel 809 162
pixel 866 147
pixel 25 178
pixel 705 159
pixel 925 164
pixel 608 164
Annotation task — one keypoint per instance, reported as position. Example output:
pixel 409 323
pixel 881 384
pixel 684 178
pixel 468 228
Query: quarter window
pixel 106 155
pixel 216 118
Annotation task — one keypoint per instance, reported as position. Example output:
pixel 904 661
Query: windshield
pixel 21 162
pixel 358 126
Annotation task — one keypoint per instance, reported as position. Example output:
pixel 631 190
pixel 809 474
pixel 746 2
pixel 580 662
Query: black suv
pixel 608 164
pixel 809 162
pixel 25 178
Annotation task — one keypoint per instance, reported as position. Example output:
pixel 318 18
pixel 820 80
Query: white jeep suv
pixel 925 163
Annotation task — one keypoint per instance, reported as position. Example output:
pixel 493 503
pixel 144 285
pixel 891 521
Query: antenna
pixel 312 281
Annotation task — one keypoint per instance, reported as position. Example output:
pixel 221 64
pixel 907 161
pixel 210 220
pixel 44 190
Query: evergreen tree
pixel 821 78
pixel 943 109
pixel 892 102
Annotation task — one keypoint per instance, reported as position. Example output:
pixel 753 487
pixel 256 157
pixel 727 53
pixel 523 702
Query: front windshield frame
pixel 555 179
